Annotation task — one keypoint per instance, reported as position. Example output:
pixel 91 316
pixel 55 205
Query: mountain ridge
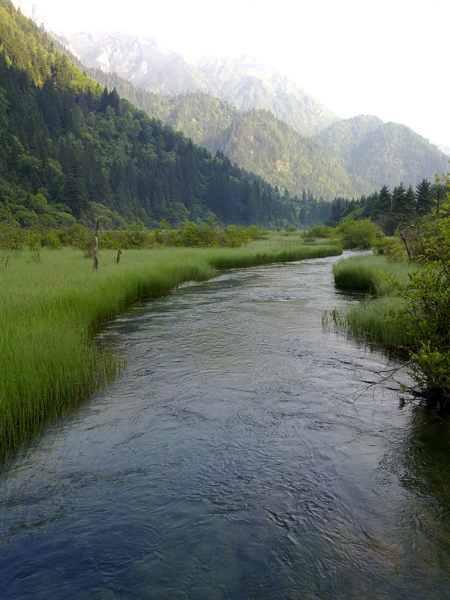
pixel 246 84
pixel 71 151
pixel 382 153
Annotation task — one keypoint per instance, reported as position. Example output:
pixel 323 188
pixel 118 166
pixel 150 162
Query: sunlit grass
pixel 49 309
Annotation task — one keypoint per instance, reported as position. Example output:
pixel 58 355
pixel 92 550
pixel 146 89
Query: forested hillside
pixel 72 150
pixel 382 153
pixel 243 82
pixel 255 140
pixel 370 151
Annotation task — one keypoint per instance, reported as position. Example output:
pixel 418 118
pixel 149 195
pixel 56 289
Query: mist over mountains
pixel 244 83
pixel 263 121
pixel 370 152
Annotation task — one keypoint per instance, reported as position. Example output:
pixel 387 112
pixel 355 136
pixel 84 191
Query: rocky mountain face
pixel 372 153
pixel 143 61
pixel 244 83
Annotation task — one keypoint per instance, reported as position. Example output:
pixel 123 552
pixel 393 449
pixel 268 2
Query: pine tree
pixel 424 197
pixel 382 208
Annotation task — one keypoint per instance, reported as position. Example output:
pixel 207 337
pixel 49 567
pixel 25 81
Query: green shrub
pixel 358 234
pixel 318 231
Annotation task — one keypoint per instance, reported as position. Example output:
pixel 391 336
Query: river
pixel 238 457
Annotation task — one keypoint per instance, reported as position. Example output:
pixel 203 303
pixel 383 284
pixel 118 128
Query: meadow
pixel 51 301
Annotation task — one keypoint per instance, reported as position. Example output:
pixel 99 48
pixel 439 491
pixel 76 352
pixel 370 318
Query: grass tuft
pixel 374 318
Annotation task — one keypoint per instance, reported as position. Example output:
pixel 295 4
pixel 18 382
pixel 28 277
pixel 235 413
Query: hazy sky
pixel 382 57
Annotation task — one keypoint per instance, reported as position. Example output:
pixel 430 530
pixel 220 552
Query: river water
pixel 234 459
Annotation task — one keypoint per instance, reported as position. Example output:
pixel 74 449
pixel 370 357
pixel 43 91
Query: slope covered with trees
pixel 371 152
pixel 255 140
pixel 72 150
pixel 382 153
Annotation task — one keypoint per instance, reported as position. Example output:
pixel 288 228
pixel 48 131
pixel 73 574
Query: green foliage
pixel 72 151
pixel 391 247
pixel 418 310
pixel 318 231
pixel 427 304
pixel 372 320
pixel 370 273
pixel 394 211
pixel 358 234
pixel 191 235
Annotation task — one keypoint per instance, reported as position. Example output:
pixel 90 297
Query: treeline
pixel 70 150
pixel 190 235
pixel 390 209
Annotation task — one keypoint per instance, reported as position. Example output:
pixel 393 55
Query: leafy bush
pixel 358 234
pixel 417 313
pixel 318 231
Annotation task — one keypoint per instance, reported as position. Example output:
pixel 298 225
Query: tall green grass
pixel 374 318
pixel 49 361
pixel 370 273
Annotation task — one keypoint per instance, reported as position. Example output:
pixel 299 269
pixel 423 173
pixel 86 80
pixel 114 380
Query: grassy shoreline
pixel 49 310
pixel 372 318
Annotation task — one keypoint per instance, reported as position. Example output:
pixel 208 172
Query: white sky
pixel 382 57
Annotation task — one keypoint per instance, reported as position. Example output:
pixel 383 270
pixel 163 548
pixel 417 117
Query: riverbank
pixel 51 303
pixel 373 318
pixel 409 314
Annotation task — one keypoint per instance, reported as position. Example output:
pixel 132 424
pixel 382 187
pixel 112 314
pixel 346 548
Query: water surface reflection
pixel 231 461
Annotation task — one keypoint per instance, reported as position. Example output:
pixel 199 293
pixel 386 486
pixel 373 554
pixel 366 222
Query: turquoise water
pixel 234 459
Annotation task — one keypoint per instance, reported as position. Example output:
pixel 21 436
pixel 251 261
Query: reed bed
pixel 374 318
pixel 371 273
pixel 50 308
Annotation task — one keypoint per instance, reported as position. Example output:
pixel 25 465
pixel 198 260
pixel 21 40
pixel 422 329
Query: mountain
pixel 244 83
pixel 262 144
pixel 370 151
pixel 382 153
pixel 350 157
pixel 71 150
pixel 255 140
pixel 144 62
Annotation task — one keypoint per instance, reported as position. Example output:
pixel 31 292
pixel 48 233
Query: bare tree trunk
pixel 405 243
pixel 118 256
pixel 95 267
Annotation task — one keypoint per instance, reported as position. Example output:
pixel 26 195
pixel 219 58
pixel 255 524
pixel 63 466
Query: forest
pixel 73 151
pixel 391 210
